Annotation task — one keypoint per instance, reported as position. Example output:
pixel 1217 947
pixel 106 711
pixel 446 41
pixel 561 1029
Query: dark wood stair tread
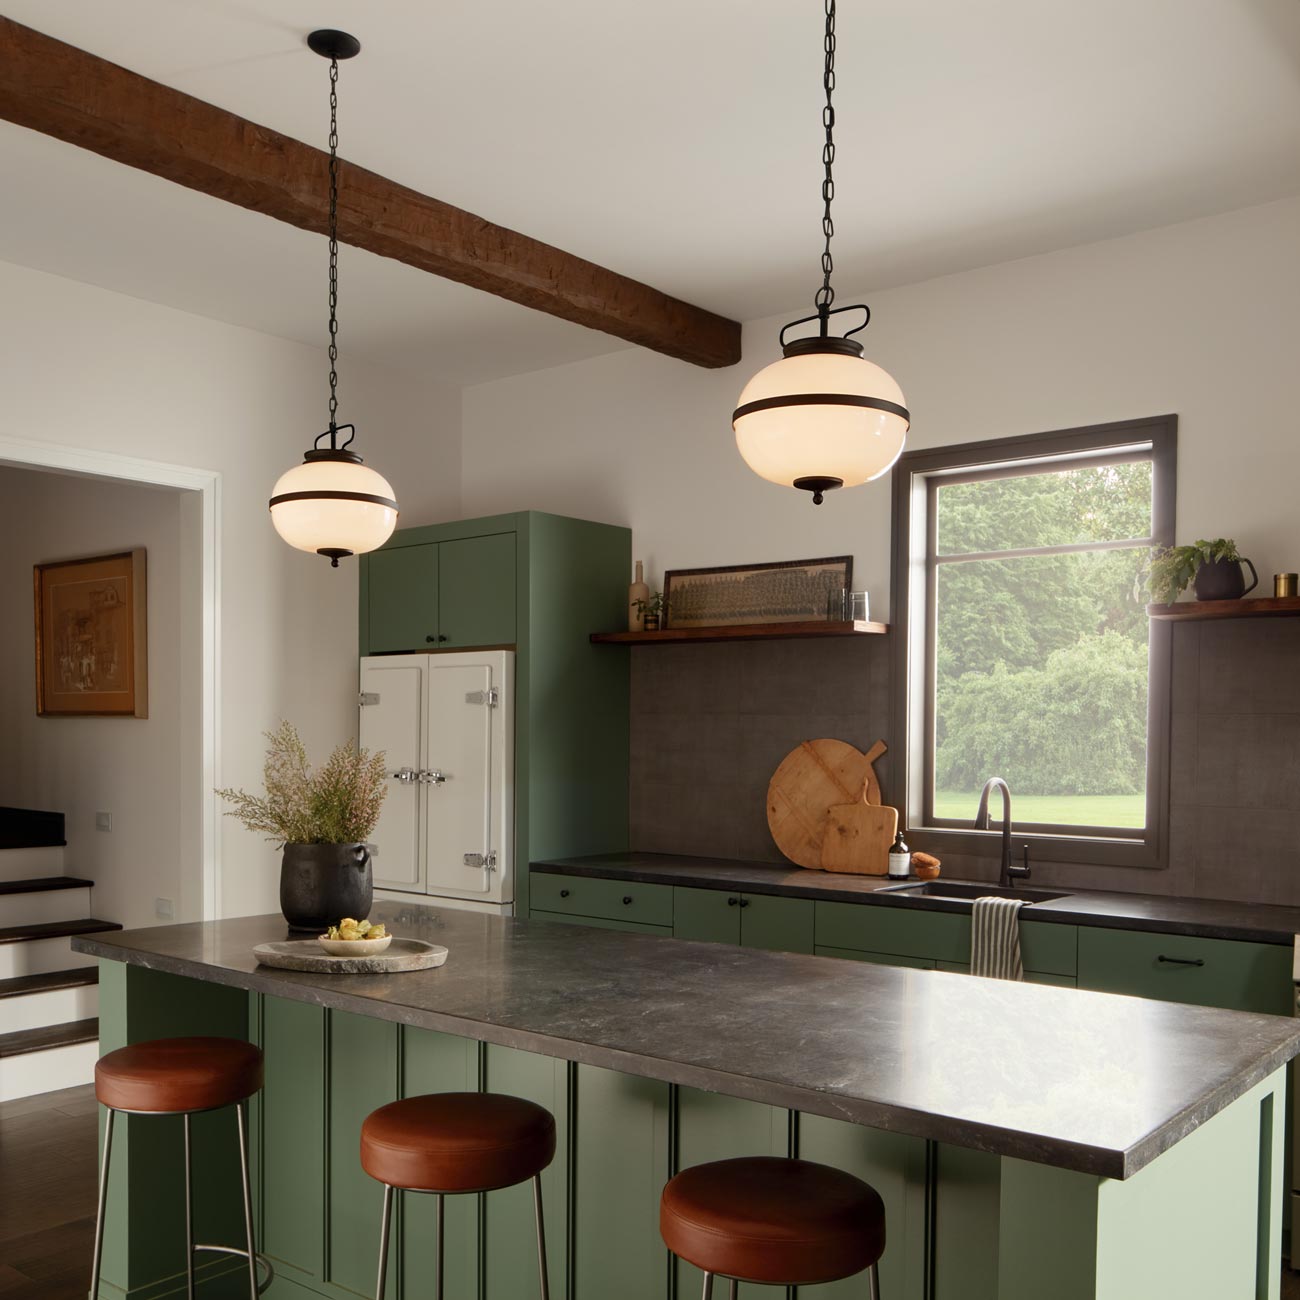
pixel 20 985
pixel 55 930
pixel 43 884
pixel 47 1036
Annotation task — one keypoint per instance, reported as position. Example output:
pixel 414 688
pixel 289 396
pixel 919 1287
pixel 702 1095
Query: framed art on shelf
pixel 91 642
pixel 789 591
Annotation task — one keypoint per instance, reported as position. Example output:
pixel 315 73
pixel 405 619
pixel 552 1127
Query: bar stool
pixel 768 1220
pixel 182 1076
pixel 457 1142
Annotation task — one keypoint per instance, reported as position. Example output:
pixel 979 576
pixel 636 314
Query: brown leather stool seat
pixel 763 1219
pixel 171 1075
pixel 457 1142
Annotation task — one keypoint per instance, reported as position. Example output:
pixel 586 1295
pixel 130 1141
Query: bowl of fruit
pixel 351 938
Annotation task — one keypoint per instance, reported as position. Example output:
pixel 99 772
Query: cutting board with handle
pixel 812 777
pixel 858 837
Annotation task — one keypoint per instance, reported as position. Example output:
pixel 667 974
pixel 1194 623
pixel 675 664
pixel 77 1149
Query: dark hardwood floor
pixel 47 1197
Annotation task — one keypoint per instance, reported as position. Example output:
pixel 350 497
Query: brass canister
pixel 1286 584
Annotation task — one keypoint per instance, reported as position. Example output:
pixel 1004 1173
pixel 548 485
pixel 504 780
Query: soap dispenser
pixel 900 859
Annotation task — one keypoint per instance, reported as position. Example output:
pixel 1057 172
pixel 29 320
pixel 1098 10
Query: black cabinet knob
pixel 627 898
pixel 430 639
pixel 731 902
pixel 744 902
pixel 442 636
pixel 564 893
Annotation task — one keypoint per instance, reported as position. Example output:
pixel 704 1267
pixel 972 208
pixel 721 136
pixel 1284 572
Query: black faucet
pixel 1008 872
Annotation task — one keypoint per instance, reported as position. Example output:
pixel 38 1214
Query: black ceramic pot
pixel 1222 580
pixel 320 884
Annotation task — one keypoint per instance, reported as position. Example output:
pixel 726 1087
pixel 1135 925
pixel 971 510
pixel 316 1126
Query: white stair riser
pixel 47 1071
pixel 48 905
pixel 55 1007
pixel 23 864
pixel 39 957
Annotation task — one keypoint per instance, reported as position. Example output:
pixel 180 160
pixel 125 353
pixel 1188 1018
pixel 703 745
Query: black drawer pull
pixel 564 893
pixel 627 898
pixel 1181 961
pixel 442 636
pixel 744 902
pixel 731 902
pixel 430 639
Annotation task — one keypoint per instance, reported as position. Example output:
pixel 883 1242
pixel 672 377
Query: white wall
pixel 1197 319
pixel 83 367
pixel 137 769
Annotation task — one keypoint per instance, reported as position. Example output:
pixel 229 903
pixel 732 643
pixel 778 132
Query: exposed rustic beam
pixel 74 96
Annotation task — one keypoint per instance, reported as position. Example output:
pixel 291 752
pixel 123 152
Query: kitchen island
pixel 1028 1140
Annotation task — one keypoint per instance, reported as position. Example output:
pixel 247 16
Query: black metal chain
pixel 826 295
pixel 334 246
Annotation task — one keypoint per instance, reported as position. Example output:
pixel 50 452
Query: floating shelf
pixel 746 632
pixel 1188 610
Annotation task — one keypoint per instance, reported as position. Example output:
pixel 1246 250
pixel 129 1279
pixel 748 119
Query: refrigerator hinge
pixel 367 697
pixel 491 697
pixel 488 861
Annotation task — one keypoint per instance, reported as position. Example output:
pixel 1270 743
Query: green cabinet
pixel 448 595
pixel 751 920
pixel 1178 968
pixel 583 897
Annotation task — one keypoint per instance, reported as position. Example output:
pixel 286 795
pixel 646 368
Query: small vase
pixel 638 591
pixel 1222 580
pixel 320 884
pixel 650 623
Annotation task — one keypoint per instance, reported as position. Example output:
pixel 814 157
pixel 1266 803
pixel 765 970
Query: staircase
pixel 49 1033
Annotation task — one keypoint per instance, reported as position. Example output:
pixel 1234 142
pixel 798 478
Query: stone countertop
pixel 1083 1081
pixel 1201 918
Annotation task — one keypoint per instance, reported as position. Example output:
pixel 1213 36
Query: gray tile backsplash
pixel 710 723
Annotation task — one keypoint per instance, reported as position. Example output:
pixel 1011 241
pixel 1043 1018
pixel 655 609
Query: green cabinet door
pixel 782 924
pixel 706 915
pixel 402 598
pixel 476 591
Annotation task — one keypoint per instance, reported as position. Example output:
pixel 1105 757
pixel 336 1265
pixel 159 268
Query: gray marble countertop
pixel 1203 918
pixel 1083 1081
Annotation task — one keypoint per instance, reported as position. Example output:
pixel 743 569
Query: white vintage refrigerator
pixel 445 722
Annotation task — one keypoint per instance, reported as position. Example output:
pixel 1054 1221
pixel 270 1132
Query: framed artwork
pixel 791 591
pixel 91 643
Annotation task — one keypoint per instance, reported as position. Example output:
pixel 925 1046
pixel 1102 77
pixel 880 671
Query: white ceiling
pixel 676 141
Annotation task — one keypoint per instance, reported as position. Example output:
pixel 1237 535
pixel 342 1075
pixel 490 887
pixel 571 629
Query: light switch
pixel 103 821
pixel 163 909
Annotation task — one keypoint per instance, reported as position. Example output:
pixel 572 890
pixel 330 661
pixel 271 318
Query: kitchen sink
pixel 967 891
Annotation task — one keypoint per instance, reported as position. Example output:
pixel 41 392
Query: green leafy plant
pixel 657 605
pixel 337 803
pixel 1173 570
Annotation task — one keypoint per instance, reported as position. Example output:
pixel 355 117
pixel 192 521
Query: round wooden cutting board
pixel 810 779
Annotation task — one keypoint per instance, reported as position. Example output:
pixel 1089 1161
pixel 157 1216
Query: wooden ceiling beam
pixel 61 91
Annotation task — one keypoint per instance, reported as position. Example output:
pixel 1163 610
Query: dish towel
pixel 995 938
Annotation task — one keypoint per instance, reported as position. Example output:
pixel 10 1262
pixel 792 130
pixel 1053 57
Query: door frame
pixel 29 453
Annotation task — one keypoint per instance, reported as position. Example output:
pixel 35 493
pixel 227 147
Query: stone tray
pixel 307 954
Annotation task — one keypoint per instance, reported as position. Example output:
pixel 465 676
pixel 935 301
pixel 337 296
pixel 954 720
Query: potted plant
pixel 654 611
pixel 1213 568
pixel 322 816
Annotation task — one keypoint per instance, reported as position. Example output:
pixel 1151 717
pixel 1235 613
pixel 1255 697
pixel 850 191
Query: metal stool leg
pixel 439 1239
pixel 873 1283
pixel 103 1198
pixel 383 1242
pixel 541 1235
pixel 189 1214
pixel 708 1287
pixel 241 1120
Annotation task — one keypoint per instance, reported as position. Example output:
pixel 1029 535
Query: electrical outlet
pixel 163 909
pixel 103 821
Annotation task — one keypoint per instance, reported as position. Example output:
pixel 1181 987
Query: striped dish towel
pixel 995 938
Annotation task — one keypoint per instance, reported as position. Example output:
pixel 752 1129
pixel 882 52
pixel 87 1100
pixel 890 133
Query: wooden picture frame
pixel 91 636
pixel 737 595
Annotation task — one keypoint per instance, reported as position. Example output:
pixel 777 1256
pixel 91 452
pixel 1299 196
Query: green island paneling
pixel 966 1223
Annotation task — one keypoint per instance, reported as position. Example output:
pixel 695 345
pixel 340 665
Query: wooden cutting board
pixel 858 837
pixel 809 780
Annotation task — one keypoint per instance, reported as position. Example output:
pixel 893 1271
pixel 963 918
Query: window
pixel 1024 645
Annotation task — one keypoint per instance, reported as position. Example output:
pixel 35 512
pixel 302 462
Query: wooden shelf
pixel 1265 607
pixel 747 632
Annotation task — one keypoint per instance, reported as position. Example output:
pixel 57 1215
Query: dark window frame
pixel 915 479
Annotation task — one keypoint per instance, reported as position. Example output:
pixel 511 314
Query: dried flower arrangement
pixel 338 803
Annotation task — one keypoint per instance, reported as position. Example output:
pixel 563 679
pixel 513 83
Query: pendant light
pixel 331 503
pixel 823 416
